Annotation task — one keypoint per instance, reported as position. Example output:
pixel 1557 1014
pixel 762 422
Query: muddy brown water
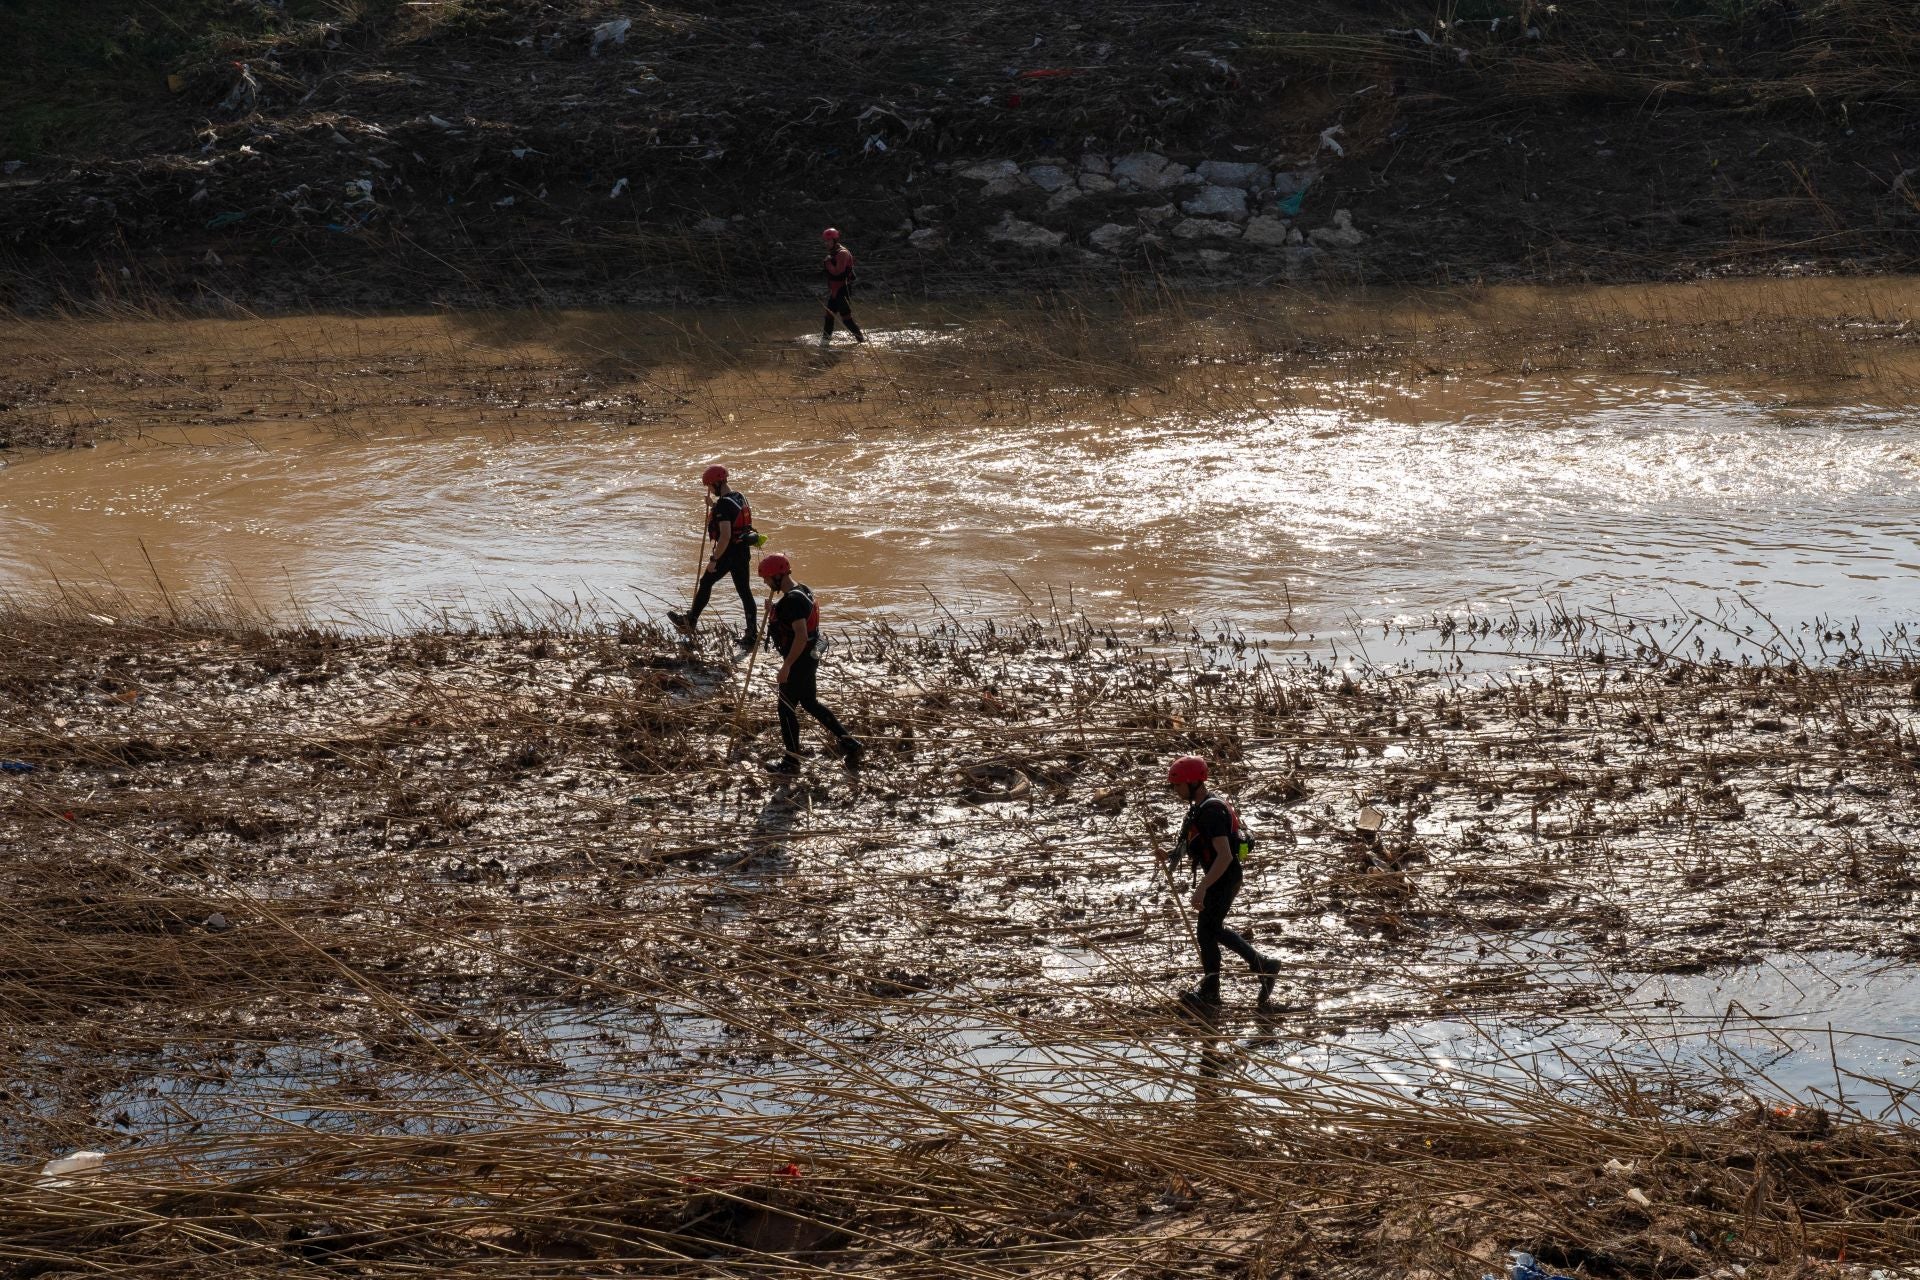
pixel 358 469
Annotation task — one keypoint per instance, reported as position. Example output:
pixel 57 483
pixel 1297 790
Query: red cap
pixel 1187 769
pixel 830 235
pixel 713 474
pixel 773 566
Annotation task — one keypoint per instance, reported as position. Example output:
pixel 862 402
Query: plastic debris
pixel 17 766
pixel 13 166
pixel 1617 1166
pixel 226 219
pixel 1326 140
pixel 504 202
pixel 216 923
pixel 1525 1267
pixel 444 124
pixel 619 189
pixel 55 1171
pixel 613 32
pixel 1639 1197
pixel 1370 819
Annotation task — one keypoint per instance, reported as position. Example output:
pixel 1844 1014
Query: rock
pixel 1095 184
pixel 1160 215
pixel 1217 202
pixel 1004 187
pixel 1026 235
pixel 1148 171
pixel 1294 237
pixel 1112 237
pixel 1049 177
pixel 1215 257
pixel 927 213
pixel 1289 183
pixel 1090 163
pixel 988 170
pixel 1234 173
pixel 1062 198
pixel 928 238
pixel 1267 229
pixel 1203 229
pixel 1341 235
pixel 712 226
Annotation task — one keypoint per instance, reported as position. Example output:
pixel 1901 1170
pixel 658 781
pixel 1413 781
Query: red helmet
pixel 830 235
pixel 713 474
pixel 773 566
pixel 1185 769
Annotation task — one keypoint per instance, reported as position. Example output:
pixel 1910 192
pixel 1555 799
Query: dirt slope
pixel 369 152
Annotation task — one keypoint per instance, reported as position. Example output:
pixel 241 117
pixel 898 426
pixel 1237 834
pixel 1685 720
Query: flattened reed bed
pixel 492 952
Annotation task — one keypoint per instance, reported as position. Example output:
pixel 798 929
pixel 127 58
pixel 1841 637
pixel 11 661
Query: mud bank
pixel 469 950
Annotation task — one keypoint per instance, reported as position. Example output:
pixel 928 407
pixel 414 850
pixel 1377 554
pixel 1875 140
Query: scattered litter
pixel 17 766
pixel 874 143
pixel 226 219
pixel 504 202
pixel 1525 1267
pixel 1639 1197
pixel 613 32
pixel 176 82
pixel 444 124
pixel 1370 819
pixel 244 92
pixel 1326 139
pixel 56 1171
pixel 619 189
pixel 216 923
pixel 1617 1166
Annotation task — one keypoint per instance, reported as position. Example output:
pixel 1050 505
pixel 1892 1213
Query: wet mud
pixel 462 949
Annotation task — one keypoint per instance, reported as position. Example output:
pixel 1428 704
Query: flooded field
pixel 451 925
pixel 404 941
pixel 1363 466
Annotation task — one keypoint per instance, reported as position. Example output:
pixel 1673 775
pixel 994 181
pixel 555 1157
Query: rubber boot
pixel 857 335
pixel 681 621
pixel 785 765
pixel 1269 972
pixel 1205 997
pixel 748 640
pixel 852 751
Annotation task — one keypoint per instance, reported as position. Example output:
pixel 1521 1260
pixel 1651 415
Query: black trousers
pixel 800 692
pixel 734 563
pixel 840 304
pixel 1211 930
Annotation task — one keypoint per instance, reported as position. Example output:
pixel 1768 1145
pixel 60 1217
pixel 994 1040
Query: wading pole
pixel 1153 850
pixel 752 655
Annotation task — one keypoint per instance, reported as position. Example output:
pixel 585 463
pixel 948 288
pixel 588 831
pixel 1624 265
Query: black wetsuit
pixel 735 561
pixel 1205 820
pixel 799 690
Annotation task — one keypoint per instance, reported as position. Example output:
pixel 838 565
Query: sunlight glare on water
pixel 1375 501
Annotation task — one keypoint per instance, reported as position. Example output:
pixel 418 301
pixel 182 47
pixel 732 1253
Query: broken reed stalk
pixel 525 972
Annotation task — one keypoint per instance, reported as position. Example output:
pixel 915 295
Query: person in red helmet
pixel 793 629
pixel 1215 842
pixel 839 266
pixel 730 529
